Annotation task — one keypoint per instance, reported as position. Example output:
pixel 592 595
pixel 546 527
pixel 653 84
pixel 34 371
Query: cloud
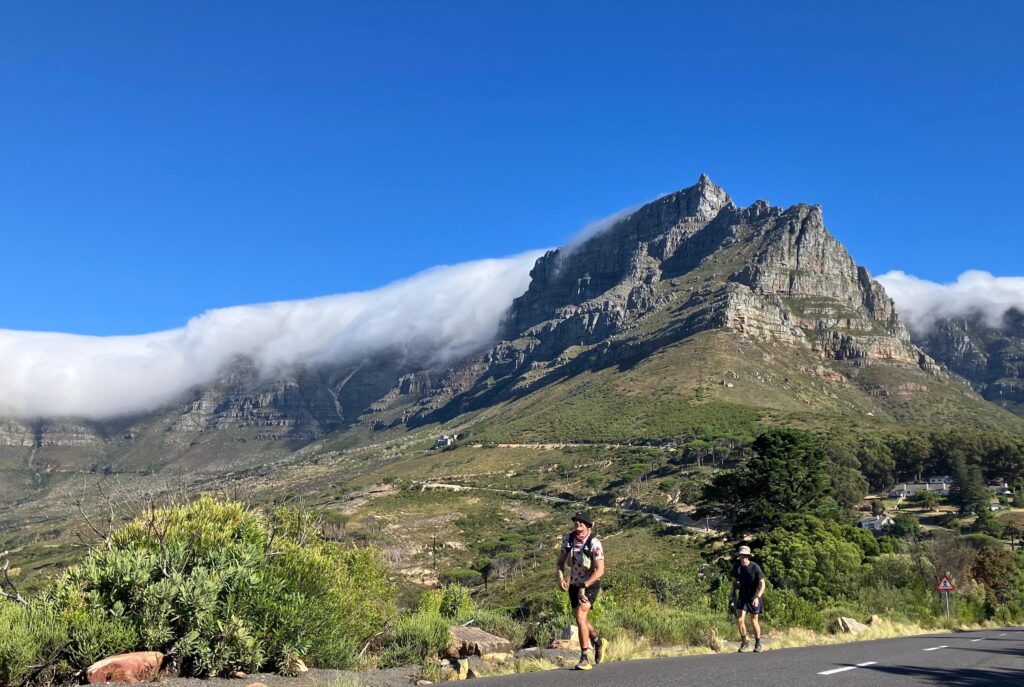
pixel 920 302
pixel 599 226
pixel 438 315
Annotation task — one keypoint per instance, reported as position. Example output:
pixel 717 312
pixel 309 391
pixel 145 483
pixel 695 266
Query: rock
pixel 424 682
pixel 497 657
pixel 847 626
pixel 565 644
pixel 140 666
pixel 572 632
pixel 300 667
pixel 472 641
pixel 874 620
pixel 473 673
pixel 238 674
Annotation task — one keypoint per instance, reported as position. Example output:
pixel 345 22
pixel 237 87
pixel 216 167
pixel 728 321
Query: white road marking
pixel 936 648
pixel 978 639
pixel 843 670
pixel 1003 634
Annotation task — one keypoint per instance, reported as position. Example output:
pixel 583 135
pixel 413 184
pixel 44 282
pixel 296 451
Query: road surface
pixel 990 658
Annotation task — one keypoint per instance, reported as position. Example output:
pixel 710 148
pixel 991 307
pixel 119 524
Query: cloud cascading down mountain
pixel 922 302
pixel 442 313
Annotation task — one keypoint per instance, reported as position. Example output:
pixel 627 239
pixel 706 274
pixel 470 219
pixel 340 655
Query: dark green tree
pixel 969 490
pixel 904 525
pixel 876 462
pixel 786 476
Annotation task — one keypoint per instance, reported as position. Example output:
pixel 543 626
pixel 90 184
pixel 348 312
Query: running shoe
pixel 599 646
pixel 744 645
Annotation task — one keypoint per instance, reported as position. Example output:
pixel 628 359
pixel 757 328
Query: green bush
pixel 463 577
pixel 416 638
pixel 226 588
pixel 29 635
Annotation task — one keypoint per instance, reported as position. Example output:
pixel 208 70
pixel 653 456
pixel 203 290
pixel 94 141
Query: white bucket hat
pixel 743 551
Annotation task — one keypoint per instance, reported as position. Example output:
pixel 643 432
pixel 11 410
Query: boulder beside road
pixel 472 641
pixel 140 666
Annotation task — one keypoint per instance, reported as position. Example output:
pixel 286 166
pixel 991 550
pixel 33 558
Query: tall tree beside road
pixel 786 476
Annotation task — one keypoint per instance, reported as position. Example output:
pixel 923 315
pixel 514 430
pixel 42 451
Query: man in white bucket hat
pixel 748 580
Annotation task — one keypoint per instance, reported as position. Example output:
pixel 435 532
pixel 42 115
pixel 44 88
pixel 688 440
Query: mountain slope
pixel 688 315
pixel 687 303
pixel 990 355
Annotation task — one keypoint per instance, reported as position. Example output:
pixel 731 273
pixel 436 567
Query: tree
pixel 876 462
pixel 997 569
pixel 814 558
pixel 969 490
pixel 1012 532
pixel 927 499
pixel 904 525
pixel 786 476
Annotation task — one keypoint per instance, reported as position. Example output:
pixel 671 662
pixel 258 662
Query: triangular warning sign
pixel 945 585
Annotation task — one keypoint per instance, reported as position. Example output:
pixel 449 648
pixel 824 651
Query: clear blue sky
pixel 160 159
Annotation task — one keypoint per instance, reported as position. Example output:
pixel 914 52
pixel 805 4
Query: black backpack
pixel 587 550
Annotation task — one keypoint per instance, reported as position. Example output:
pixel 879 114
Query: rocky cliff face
pixel 990 357
pixel 686 263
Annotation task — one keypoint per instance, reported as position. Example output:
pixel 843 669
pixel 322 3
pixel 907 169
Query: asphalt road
pixel 986 658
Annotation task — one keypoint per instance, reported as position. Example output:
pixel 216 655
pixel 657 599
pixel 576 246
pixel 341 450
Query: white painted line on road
pixel 1003 634
pixel 843 670
pixel 936 648
pixel 978 639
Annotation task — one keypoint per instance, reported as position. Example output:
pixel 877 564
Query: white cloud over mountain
pixel 920 302
pixel 444 313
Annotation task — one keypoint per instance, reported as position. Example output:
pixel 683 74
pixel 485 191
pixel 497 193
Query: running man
pixel 748 579
pixel 586 556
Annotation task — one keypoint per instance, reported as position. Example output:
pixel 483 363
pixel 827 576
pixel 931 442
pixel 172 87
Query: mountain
pixel 689 314
pixel 989 355
pixel 757 307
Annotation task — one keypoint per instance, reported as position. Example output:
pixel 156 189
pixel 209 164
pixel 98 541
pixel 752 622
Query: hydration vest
pixel 587 551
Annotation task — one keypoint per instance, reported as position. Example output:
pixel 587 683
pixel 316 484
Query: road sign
pixel 945 585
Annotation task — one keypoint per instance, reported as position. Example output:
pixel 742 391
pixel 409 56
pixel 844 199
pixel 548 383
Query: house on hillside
pixel 1000 489
pixel 940 479
pixel 445 441
pixel 910 489
pixel 876 523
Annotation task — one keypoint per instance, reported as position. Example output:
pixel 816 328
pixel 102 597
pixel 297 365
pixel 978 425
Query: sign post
pixel 945 585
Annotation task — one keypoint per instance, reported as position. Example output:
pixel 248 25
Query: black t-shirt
pixel 748 576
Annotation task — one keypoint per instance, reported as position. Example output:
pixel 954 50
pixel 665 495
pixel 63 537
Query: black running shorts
pixel 592 592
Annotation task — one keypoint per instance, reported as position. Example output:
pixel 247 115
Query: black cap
pixel 584 517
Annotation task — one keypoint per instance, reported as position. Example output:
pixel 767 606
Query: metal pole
pixel 946 594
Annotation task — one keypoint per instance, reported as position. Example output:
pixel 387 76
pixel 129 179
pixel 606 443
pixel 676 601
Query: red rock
pixel 141 666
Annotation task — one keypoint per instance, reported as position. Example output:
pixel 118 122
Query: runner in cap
pixel 585 554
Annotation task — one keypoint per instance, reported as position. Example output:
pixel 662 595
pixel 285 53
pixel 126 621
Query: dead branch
pixel 13 594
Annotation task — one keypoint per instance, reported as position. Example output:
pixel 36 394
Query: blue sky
pixel 161 159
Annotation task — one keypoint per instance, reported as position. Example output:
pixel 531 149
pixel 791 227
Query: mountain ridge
pixel 764 289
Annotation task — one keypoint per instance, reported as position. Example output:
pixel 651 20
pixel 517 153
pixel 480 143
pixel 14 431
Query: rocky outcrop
pixel 686 263
pixel 989 355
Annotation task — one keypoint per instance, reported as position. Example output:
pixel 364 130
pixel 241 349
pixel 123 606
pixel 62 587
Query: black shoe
pixel 599 646
pixel 744 645
pixel 757 646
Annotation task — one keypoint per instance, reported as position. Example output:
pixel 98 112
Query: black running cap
pixel 584 517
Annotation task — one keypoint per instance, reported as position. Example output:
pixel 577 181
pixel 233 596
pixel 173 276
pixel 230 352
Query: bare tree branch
pixel 12 595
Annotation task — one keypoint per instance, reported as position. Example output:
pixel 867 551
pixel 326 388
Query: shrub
pixel 30 635
pixel 463 577
pixel 416 638
pixel 227 589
